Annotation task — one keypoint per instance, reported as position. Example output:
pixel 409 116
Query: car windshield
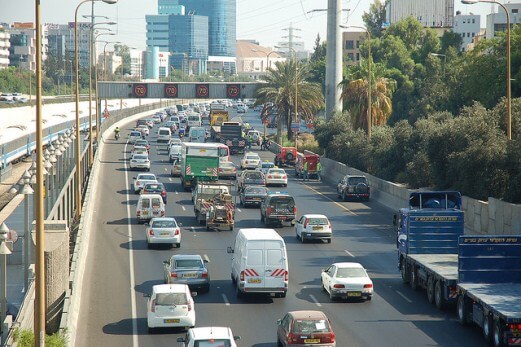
pixel 356 180
pixel 255 175
pixel 147 177
pixel 350 272
pixel 283 203
pixel 188 264
pixel 135 133
pixel 301 326
pixel 141 143
pixel 212 343
pixel 267 165
pixel 168 299
pixel 255 190
pixel 164 132
pixel 168 223
pixel 317 221
pixel 252 157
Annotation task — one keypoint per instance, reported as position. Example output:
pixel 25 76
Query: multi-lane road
pixel 121 269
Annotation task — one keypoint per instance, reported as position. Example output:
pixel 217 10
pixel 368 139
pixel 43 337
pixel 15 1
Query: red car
pixel 286 156
pixel 305 328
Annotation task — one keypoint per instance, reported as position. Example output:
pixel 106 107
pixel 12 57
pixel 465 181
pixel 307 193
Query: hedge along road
pixel 394 316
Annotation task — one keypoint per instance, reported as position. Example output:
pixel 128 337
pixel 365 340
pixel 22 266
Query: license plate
pixel 171 321
pixel 145 212
pixel 165 234
pixel 189 275
pixel 311 341
pixel 317 228
pixel 254 280
pixel 276 177
pixel 282 218
pixel 354 294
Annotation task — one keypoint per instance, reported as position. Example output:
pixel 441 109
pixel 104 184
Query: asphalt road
pixel 121 269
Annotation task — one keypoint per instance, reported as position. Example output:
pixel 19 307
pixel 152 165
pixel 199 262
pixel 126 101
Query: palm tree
pixel 354 94
pixel 280 91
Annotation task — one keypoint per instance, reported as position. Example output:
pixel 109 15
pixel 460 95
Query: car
pixel 175 170
pixel 144 143
pixel 170 306
pixel 141 122
pixel 138 150
pixel 143 129
pixel 305 328
pixel 265 166
pixel 313 227
pixel 140 161
pixel 253 195
pixel 134 136
pixel 157 119
pixel 150 122
pixel 254 136
pixel 209 336
pixel 278 207
pixel 164 230
pixel 171 125
pixel 175 141
pixel 189 269
pixel 227 170
pixel 286 156
pixel 141 179
pixel 353 187
pixel 155 188
pixel 174 153
pixel 250 177
pixel 250 160
pixel 276 176
pixel 347 281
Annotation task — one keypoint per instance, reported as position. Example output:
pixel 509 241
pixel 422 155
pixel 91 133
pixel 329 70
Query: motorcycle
pixel 116 135
pixel 181 133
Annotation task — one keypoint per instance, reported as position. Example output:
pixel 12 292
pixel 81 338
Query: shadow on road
pixel 124 327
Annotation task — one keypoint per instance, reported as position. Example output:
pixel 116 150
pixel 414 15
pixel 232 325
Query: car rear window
pixel 253 175
pixel 255 190
pixel 153 187
pixel 212 343
pixel 140 156
pixel 168 299
pixel 188 263
pixel 307 326
pixel 164 224
pixel 135 133
pixel 156 202
pixel 317 221
pixel 267 165
pixel 145 203
pixel 164 132
pixel 147 177
pixel 277 171
pixel 282 202
pixel 350 272
pixel 252 157
pixel 356 180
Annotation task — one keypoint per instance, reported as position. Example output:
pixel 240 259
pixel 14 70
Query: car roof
pixel 160 219
pixel 145 174
pixel 311 215
pixel 307 314
pixel 186 256
pixel 152 195
pixel 348 265
pixel 212 332
pixel 169 288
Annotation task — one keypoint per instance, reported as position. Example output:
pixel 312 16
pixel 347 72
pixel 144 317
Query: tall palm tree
pixel 355 94
pixel 280 90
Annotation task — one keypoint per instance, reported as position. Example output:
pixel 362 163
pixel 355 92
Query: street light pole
pixel 4 251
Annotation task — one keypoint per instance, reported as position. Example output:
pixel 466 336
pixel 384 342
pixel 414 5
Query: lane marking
pixel 176 192
pixel 193 229
pixel 135 341
pixel 184 209
pixel 238 210
pixel 225 298
pixel 349 253
pixel 315 300
pixel 327 197
pixel 166 169
pixel 170 179
pixel 205 257
pixel 404 297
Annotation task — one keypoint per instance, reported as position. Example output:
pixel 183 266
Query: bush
pixel 25 338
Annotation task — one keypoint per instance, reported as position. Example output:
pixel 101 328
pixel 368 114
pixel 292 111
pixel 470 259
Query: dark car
pixel 250 177
pixel 305 328
pixel 253 195
pixel 277 208
pixel 353 187
pixel 155 188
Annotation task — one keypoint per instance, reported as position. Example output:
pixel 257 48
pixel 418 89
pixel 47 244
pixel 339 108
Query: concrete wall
pixel 492 217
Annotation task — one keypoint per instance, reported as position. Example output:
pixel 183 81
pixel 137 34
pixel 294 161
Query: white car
pixel 144 129
pixel 265 166
pixel 250 160
pixel 134 136
pixel 136 149
pixel 140 161
pixel 209 336
pixel 347 281
pixel 276 176
pixel 313 227
pixel 156 118
pixel 174 141
pixel 170 306
pixel 163 231
pixel 142 179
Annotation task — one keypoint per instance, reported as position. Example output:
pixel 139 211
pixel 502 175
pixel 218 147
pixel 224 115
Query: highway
pixel 121 269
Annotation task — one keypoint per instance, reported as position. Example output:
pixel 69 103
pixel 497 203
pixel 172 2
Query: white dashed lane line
pixel 225 299
pixel 315 300
pixel 404 297
pixel 349 253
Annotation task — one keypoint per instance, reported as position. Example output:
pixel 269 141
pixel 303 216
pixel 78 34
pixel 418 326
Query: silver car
pixel 140 161
pixel 140 181
pixel 187 269
pixel 163 230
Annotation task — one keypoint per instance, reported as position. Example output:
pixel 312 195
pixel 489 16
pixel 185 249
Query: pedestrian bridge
pixel 177 90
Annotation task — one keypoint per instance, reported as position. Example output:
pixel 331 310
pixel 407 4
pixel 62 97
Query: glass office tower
pixel 189 43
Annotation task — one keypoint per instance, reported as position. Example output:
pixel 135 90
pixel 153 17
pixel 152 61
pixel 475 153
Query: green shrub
pixel 25 338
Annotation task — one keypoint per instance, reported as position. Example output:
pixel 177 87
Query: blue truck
pixel 427 242
pixel 489 286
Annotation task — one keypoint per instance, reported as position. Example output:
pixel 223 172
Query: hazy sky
pixel 262 20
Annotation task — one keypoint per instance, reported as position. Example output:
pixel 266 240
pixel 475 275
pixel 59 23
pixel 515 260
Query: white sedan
pixel 141 179
pixel 347 281
pixel 250 161
pixel 140 161
pixel 313 227
pixel 276 176
pixel 163 230
pixel 170 306
pixel 209 336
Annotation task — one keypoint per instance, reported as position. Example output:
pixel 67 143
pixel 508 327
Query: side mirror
pixel 194 294
pixel 229 250
pixel 236 338
pixel 181 339
pixel 166 262
pixel 279 321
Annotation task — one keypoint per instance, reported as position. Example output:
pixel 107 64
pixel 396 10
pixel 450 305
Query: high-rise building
pixel 137 60
pixel 168 7
pixel 62 43
pixel 498 21
pixel 430 13
pixel 4 48
pixel 22 50
pixel 467 26
pixel 157 32
pixel 189 43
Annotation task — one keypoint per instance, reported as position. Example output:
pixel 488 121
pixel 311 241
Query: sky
pixel 263 21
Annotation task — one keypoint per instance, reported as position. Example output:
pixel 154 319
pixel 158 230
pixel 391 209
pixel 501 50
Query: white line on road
pixel 327 197
pixel 238 210
pixel 315 300
pixel 176 192
pixel 225 298
pixel 404 297
pixel 170 179
pixel 205 257
pixel 135 341
pixel 184 208
pixel 166 169
pixel 192 229
pixel 349 253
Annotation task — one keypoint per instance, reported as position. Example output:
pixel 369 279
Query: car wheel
pixel 369 298
pixel 283 295
pixel 207 227
pixel 279 344
pixel 322 285
pixel 498 335
pixel 149 245
pixel 296 235
pixel 151 330
pixel 463 310
pixel 231 227
pixel 404 272
pixel 331 296
pixel 238 292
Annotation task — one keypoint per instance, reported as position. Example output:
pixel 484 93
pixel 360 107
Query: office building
pixel 137 63
pixel 61 43
pixel 467 26
pixel 189 43
pixel 430 13
pixel 253 60
pixel 351 41
pixel 4 48
pixel 497 22
pixel 22 50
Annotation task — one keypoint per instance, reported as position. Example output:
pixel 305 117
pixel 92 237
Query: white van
pixel 259 263
pixel 194 120
pixel 197 134
pixel 163 134
pixel 175 153
pixel 149 206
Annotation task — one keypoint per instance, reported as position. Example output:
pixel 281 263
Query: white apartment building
pixel 467 26
pixel 137 61
pixel 498 21
pixel 430 13
pixel 4 48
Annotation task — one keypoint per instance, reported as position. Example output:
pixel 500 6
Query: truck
pixel 427 243
pixel 218 114
pixel 489 286
pixel 221 213
pixel 203 197
pixel 232 136
pixel 199 163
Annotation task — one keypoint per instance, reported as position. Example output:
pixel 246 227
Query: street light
pixel 509 86
pixel 105 70
pixel 369 82
pixel 77 186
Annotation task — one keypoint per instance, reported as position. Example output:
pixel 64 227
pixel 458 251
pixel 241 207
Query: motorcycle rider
pixel 116 133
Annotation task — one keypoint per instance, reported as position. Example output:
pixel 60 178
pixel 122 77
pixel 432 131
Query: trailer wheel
pixel 438 295
pixel 430 289
pixel 463 310
pixel 498 335
pixel 403 270
pixel 488 326
pixel 414 278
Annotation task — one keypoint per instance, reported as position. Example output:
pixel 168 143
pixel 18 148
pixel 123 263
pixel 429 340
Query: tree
pixel 450 39
pixel 280 90
pixel 375 18
pixel 319 50
pixel 124 52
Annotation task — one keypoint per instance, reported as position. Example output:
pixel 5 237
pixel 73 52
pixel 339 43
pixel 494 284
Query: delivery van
pixel 259 263
pixel 149 206
pixel 163 134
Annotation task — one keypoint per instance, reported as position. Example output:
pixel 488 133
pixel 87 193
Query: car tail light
pixel 220 170
pixel 284 177
pixel 163 193
pixel 153 306
pixel 515 327
pixel 173 275
pixel 151 232
pixel 368 285
pixel 330 337
pixel 268 211
pixel 189 306
pixel 338 286
pixel 294 210
pixel 286 276
pixel 177 231
pixel 204 274
pixel 242 276
pixel 138 213
pixel 269 176
pixel 293 337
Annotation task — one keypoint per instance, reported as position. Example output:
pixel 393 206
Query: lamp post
pixel 4 252
pixel 509 85
pixel 26 191
pixel 369 119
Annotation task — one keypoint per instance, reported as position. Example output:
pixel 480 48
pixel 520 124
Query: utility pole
pixel 291 38
pixel 333 58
